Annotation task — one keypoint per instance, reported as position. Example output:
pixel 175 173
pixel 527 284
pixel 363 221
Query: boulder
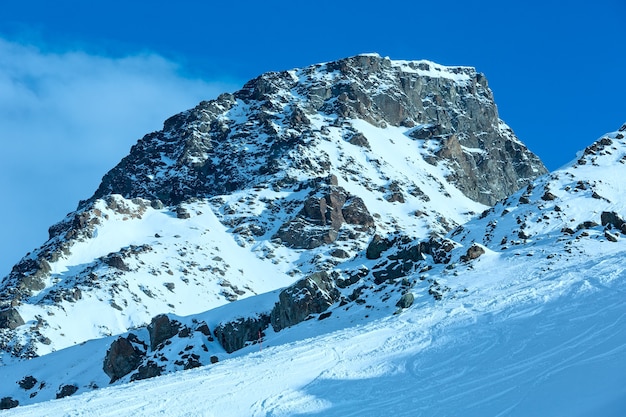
pixel 121 358
pixel 66 391
pixel 182 213
pixel 234 335
pixel 149 370
pixel 8 402
pixel 311 295
pixel 160 329
pixel 406 300
pixel 10 319
pixel 613 219
pixel 473 252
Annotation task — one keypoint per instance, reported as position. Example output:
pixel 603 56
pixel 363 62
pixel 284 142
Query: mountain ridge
pixel 337 193
pixel 459 291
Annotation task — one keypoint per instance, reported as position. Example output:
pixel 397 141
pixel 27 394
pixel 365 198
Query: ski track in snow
pixel 541 358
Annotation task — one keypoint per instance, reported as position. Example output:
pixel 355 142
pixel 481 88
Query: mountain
pixel 292 175
pixel 502 324
pixel 307 213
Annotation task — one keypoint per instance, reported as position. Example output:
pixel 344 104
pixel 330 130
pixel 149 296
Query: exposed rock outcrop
pixel 8 402
pixel 122 358
pixel 162 328
pixel 312 295
pixel 613 219
pixel 452 106
pixel 473 252
pixel 10 319
pixel 234 335
pixel 322 217
pixel 66 391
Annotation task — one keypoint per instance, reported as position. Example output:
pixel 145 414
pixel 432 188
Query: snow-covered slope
pixel 522 314
pixel 293 175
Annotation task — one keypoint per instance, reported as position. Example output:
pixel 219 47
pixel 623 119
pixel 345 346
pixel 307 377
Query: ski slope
pixel 517 349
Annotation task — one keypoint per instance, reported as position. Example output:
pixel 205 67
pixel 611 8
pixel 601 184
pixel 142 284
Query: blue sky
pixel 80 82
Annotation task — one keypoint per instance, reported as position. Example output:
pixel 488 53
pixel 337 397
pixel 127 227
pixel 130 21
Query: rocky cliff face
pixel 257 136
pixel 292 177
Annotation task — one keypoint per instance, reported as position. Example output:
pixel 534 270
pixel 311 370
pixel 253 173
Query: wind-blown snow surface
pixel 512 348
pixel 535 326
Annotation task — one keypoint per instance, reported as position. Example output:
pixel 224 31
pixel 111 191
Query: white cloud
pixel 67 118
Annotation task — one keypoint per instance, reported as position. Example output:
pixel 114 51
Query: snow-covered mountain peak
pixel 273 131
pixel 308 190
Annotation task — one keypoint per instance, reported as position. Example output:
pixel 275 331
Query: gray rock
pixel 160 329
pixel 8 402
pixel 234 335
pixel 149 370
pixel 121 358
pixel 182 213
pixel 613 219
pixel 66 391
pixel 473 252
pixel 356 213
pixel 116 261
pixel 311 295
pixel 406 300
pixel 10 319
pixel 322 216
pixel 487 161
pixel 359 140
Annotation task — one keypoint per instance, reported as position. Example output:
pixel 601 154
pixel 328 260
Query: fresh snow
pixel 509 347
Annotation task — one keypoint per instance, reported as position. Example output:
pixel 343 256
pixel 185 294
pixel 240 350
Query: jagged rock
pixel 204 329
pixel 116 261
pixel 355 212
pixel 206 150
pixel 182 213
pixel 440 250
pixel 121 358
pixel 437 290
pixel 29 274
pixel 311 295
pixel 8 402
pixel 353 278
pixel 321 218
pixel 359 140
pixel 160 329
pixel 377 246
pixel 610 236
pixel 10 319
pixel 473 252
pixel 613 219
pixel 157 204
pixel 28 382
pixel 406 300
pixel 149 370
pixel 233 335
pixel 66 391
